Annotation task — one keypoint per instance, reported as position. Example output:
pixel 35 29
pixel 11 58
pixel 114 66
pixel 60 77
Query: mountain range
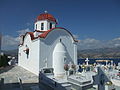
pixel 86 53
pixel 100 53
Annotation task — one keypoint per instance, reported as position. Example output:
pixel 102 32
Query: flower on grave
pixel 66 67
pixel 109 83
pixel 83 66
pixel 73 66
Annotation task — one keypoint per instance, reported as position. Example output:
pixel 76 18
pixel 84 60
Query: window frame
pixel 42 26
pixel 50 25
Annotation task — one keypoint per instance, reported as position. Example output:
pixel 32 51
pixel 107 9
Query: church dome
pixel 46 16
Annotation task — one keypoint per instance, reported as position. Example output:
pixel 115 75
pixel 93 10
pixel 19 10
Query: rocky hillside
pixel 100 53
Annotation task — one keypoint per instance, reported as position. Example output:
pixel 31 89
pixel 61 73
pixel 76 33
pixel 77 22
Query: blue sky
pixel 96 19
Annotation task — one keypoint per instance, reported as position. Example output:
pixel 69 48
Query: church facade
pixel 47 46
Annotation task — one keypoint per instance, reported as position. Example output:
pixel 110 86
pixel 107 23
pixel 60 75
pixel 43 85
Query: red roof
pixel 45 33
pixel 46 16
pixel 31 35
pixel 39 31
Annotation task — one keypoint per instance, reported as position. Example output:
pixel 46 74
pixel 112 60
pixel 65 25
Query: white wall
pixel 46 25
pixel 42 49
pixel 31 63
pixel 49 43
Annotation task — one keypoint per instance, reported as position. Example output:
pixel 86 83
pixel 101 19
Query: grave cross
pixel 87 61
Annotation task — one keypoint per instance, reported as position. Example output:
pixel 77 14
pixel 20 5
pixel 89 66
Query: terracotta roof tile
pixel 45 33
pixel 46 16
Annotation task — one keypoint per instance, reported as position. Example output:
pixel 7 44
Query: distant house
pixel 47 46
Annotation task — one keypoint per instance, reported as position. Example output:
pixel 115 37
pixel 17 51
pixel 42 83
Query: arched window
pixel 50 25
pixel 36 27
pixel 26 51
pixel 42 26
pixel 60 39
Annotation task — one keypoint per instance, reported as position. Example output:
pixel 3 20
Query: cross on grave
pixel 111 62
pixel 100 79
pixel 106 62
pixel 87 61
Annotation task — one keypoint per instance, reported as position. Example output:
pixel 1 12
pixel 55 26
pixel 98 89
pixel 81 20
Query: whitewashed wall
pixel 31 63
pixel 46 25
pixel 42 49
pixel 47 46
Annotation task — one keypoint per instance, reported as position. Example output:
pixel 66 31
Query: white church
pixel 47 46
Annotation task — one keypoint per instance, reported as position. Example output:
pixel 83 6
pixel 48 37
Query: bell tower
pixel 45 22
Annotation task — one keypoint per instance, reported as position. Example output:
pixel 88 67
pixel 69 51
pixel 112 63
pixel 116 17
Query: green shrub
pixel 3 60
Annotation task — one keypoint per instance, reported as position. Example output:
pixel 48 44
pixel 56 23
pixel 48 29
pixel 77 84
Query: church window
pixel 50 25
pixel 27 51
pixel 36 26
pixel 60 39
pixel 42 26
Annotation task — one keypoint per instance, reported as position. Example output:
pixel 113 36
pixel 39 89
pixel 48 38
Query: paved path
pixel 11 77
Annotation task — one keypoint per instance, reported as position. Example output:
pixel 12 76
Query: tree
pixel 3 60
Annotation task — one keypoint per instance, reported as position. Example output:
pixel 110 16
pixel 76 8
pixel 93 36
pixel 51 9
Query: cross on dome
pixel 46 11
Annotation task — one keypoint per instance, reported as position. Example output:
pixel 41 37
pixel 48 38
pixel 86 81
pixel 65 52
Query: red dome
pixel 46 16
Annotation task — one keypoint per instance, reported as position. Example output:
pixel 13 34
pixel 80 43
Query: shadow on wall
pixel 68 59
pixel 50 39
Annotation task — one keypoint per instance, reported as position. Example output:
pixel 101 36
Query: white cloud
pixel 28 24
pixel 23 31
pixel 117 45
pixel 117 39
pixel 114 42
pixel 10 42
pixel 91 43
pixel 75 36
